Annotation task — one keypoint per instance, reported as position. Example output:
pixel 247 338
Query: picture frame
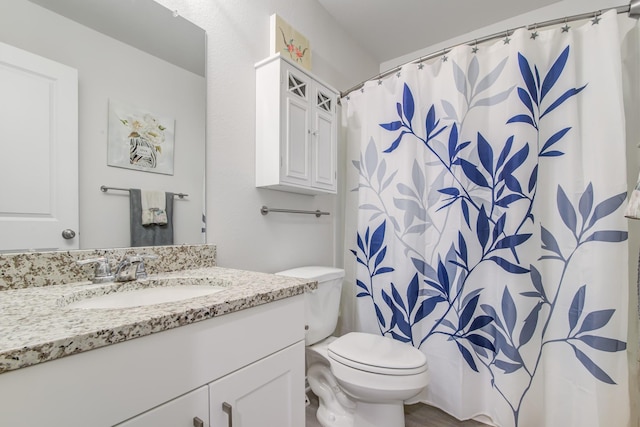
pixel 139 139
pixel 287 41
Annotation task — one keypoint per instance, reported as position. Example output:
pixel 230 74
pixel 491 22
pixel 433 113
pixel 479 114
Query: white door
pixel 269 392
pixel 38 152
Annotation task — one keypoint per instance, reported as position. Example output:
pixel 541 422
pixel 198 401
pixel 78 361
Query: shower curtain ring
pixel 506 37
pixel 475 46
pixel 534 33
pixel 566 27
pixel 596 17
pixel 444 55
pixel 420 64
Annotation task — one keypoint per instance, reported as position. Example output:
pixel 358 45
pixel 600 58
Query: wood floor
pixel 418 415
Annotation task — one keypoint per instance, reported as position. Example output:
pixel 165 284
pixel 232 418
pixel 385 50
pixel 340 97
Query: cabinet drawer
pixel 184 411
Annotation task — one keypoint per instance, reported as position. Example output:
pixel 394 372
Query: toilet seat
pixel 377 354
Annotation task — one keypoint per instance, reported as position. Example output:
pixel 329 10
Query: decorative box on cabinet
pixel 296 129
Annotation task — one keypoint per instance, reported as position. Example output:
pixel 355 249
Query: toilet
pixel 361 379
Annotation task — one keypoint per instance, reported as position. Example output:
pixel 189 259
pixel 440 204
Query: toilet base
pixel 365 415
pixel 328 418
pixel 378 414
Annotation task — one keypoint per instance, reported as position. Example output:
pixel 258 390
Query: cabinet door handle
pixel 197 422
pixel 229 411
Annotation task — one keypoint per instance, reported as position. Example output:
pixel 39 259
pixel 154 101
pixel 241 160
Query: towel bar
pixel 104 189
pixel 265 210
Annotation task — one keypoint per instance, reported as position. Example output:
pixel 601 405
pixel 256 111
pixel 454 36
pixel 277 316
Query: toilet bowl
pixel 361 380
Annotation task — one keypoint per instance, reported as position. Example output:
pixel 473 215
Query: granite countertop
pixel 37 324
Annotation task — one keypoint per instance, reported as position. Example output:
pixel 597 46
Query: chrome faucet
pixel 132 268
pixel 102 272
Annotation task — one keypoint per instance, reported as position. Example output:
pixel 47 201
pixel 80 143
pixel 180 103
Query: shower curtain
pixel 490 230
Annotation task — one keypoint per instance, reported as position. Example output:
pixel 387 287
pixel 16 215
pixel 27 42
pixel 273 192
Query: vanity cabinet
pixel 253 359
pixel 261 394
pixel 296 129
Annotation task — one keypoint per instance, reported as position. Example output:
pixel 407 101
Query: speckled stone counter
pixel 27 269
pixel 37 324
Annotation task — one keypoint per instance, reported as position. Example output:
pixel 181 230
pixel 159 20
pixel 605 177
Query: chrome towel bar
pixel 104 189
pixel 265 210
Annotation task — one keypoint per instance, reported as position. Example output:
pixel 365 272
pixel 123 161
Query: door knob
pixel 68 234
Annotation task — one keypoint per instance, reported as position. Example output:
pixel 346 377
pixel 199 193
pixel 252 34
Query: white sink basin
pixel 146 296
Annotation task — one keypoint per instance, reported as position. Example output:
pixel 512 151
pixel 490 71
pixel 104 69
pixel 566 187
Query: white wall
pixel 238 37
pixel 109 69
pixel 557 10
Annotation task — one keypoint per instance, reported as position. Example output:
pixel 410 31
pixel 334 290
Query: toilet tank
pixel 321 305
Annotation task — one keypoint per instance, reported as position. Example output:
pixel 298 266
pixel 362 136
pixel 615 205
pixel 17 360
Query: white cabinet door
pixel 310 132
pixel 296 163
pixel 189 410
pixel 324 135
pixel 269 392
pixel 38 152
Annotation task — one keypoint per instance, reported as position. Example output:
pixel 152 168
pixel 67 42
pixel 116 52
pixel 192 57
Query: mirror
pixel 130 52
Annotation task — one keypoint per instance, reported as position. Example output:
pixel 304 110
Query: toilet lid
pixel 377 354
pixel 314 272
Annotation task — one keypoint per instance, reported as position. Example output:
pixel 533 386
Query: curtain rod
pixel 633 9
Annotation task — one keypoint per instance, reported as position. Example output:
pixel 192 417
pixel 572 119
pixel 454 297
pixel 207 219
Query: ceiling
pixel 388 29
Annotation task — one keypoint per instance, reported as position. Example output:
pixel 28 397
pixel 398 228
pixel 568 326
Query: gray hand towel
pixel 149 235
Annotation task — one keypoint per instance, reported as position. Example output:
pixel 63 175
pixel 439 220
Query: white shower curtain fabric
pixel 490 225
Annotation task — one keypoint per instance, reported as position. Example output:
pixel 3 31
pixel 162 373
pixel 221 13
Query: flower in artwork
pixel 148 128
pixel 295 52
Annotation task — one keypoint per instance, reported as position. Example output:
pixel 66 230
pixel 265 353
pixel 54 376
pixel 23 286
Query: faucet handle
pixel 102 271
pixel 141 257
pixel 141 273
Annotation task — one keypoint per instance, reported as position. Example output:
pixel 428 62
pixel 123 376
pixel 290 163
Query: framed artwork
pixel 139 139
pixel 289 42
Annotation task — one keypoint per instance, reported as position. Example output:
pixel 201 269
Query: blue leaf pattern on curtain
pixel 491 185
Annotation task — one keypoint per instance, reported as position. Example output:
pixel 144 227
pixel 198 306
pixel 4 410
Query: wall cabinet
pixel 296 129
pixel 252 359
